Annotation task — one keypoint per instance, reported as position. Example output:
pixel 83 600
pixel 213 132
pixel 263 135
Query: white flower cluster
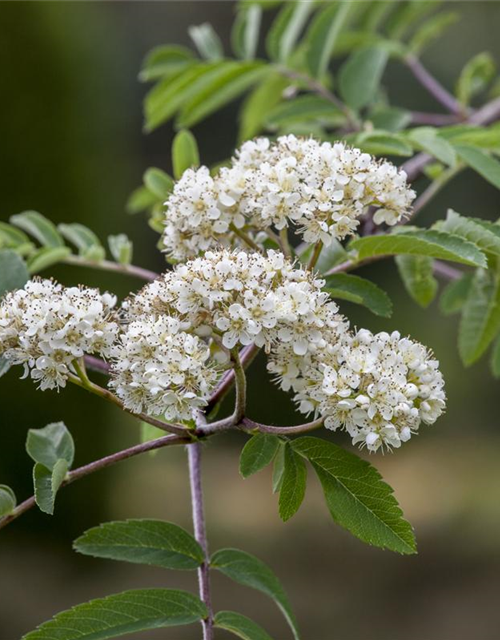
pixel 243 299
pixel 322 189
pixel 379 388
pixel 46 326
pixel 159 369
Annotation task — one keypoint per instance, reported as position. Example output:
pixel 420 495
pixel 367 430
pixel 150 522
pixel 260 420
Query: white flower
pixel 319 188
pixel 379 388
pixel 46 326
pixel 244 299
pixel 159 369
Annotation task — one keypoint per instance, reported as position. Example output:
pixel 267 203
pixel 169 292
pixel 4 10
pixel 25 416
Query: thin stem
pixel 250 425
pixel 433 119
pixel 200 533
pixel 107 265
pixel 247 355
pixel 81 472
pixel 110 397
pixel 246 238
pixel 433 86
pixel 446 271
pixel 315 255
pixel 96 364
pixel 434 188
pixel 284 242
pixel 241 387
pixel 318 88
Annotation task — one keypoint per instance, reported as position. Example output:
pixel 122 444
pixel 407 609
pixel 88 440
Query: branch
pixel 322 91
pixel 446 271
pixel 433 119
pixel 250 425
pixel 200 533
pixel 247 354
pixel 107 265
pixel 81 472
pixel 433 86
pixel 241 387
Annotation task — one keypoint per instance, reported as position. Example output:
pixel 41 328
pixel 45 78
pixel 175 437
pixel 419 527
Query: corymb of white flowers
pixel 320 189
pixel 46 327
pixel 379 388
pixel 243 299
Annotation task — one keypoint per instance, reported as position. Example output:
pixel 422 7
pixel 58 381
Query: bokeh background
pixel 72 148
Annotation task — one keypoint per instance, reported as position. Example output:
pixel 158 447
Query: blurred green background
pixel 72 148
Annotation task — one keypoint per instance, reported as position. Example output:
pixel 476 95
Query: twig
pixel 446 271
pixel 433 119
pixel 81 472
pixel 107 265
pixel 433 86
pixel 241 387
pixel 250 425
pixel 247 354
pixel 315 255
pixel 200 533
pixel 322 91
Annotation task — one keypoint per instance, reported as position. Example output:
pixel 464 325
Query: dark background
pixel 72 148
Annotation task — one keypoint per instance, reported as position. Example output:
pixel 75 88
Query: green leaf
pixel 85 240
pixel 383 143
pixel 286 30
pixel 233 79
pixel 46 257
pixel 405 17
pixel 165 60
pixel 391 119
pixel 322 35
pixel 375 15
pixel 5 365
pixel 357 497
pixel 206 41
pixel 166 98
pixel 13 271
pixel 47 483
pixel 185 153
pixel 127 612
pixel 303 109
pixel 435 244
pixel 159 183
pixel 427 139
pixel 263 98
pixel 245 32
pixel 475 77
pixel 257 453
pixel 152 542
pixel 485 165
pixel 252 572
pixel 418 278
pixel 7 500
pixel 431 30
pixel 12 238
pixel 50 444
pixel 472 135
pixel 240 626
pixel 360 76
pixel 279 467
pixel 486 237
pixel 360 291
pixel 293 484
pixel 455 294
pixel 141 200
pixel 495 359
pixel 39 227
pixel 121 248
pixel 480 321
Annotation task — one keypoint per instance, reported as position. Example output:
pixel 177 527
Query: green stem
pixel 246 238
pixel 240 386
pixel 315 255
pixel 107 265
